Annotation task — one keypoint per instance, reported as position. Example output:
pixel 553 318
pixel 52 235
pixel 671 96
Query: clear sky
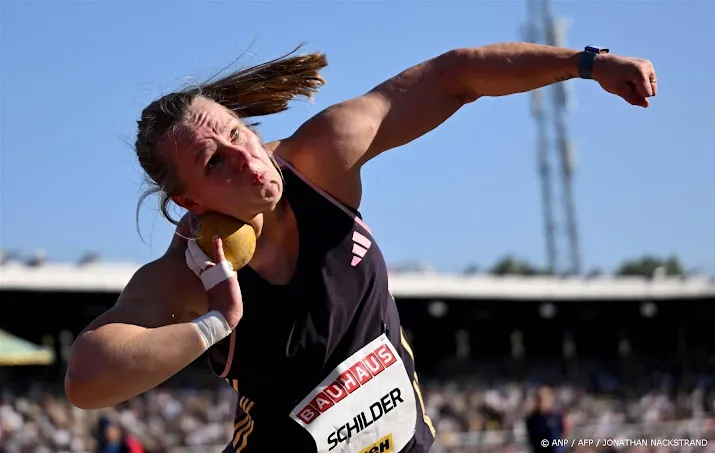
pixel 76 75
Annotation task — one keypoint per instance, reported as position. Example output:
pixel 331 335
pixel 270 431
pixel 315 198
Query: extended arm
pixel 332 146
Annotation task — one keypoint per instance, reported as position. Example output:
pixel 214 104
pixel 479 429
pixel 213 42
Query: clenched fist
pixel 633 79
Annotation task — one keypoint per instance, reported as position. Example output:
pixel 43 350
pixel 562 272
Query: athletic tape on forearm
pixel 216 274
pixel 212 327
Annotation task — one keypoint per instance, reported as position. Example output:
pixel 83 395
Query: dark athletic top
pixel 548 426
pixel 321 364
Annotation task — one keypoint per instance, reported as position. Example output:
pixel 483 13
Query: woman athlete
pixel 307 333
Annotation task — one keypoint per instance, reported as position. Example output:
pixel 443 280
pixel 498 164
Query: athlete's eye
pixel 213 161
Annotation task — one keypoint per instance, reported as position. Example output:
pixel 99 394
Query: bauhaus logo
pixel 350 380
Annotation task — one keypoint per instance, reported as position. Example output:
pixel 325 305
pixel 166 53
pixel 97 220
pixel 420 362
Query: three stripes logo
pixel 361 245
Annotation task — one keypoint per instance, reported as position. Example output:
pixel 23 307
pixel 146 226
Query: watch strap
pixel 587 59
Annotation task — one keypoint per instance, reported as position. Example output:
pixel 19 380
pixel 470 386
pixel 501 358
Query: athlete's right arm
pixel 143 340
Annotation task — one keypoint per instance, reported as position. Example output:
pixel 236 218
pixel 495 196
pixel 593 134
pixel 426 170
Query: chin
pixel 273 192
pixel 274 200
pixel 270 197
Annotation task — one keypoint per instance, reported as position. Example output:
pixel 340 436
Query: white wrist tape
pixel 216 274
pixel 212 327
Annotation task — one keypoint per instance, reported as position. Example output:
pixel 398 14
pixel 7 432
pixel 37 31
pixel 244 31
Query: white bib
pixel 365 405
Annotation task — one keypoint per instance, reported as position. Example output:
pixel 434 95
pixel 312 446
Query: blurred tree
pixel 646 266
pixel 472 269
pixel 510 265
pixel 595 272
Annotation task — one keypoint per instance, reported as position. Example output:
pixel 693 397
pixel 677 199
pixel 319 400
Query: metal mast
pixel 542 28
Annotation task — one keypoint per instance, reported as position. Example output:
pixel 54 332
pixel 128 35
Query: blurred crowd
pixel 43 421
pixel 494 416
pixel 492 413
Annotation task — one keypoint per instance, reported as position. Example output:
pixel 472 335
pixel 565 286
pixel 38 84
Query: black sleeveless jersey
pixel 321 364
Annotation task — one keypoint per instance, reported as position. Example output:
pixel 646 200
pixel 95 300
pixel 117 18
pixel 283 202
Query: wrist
pixel 572 67
pixel 598 64
pixel 232 318
pixel 212 327
pixel 589 59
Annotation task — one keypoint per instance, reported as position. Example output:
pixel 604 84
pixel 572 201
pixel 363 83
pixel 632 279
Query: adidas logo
pixel 361 245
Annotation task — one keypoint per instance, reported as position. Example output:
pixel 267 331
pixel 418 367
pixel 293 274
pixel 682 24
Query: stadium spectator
pixel 113 438
pixel 545 424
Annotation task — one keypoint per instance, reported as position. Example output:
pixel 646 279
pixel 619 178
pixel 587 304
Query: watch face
pixel 596 49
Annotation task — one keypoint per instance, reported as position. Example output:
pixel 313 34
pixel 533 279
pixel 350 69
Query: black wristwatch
pixel 586 60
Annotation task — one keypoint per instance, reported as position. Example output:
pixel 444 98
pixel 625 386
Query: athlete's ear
pixel 188 204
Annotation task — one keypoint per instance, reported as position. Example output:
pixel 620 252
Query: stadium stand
pixel 626 358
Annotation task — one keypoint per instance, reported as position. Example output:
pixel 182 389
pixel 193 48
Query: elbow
pixel 89 394
pixel 85 385
pixel 77 396
pixel 80 390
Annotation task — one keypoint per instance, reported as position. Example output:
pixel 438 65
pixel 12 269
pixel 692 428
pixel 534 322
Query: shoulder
pixel 166 290
pixel 321 170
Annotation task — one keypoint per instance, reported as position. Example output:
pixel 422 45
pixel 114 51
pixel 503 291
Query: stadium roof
pixel 16 351
pixel 112 277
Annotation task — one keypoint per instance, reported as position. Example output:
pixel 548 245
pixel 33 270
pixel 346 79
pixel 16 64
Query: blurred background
pixel 552 254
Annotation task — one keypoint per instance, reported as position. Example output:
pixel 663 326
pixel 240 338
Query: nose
pixel 241 159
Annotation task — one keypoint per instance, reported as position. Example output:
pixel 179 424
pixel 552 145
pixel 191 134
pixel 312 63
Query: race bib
pixel 366 405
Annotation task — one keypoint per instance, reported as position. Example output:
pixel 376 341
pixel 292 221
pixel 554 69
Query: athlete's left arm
pixel 331 147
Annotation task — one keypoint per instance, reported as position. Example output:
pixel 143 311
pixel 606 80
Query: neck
pixel 270 226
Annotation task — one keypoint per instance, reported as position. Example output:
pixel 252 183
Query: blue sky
pixel 76 75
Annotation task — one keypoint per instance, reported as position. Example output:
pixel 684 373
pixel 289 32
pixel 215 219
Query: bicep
pixel 332 146
pixel 412 104
pixel 340 139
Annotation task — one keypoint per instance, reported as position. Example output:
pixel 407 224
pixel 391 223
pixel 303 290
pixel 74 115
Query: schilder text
pixel 366 418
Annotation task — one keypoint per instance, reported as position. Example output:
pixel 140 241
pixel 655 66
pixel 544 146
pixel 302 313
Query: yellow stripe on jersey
pixel 243 427
pixel 416 384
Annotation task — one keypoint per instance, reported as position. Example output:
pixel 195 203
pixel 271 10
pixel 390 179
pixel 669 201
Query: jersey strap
pixel 325 194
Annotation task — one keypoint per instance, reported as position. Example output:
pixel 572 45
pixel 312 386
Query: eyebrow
pixel 227 125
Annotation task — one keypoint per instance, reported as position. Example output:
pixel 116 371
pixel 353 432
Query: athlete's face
pixel 222 164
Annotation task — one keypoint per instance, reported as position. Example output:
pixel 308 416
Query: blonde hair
pixel 255 91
